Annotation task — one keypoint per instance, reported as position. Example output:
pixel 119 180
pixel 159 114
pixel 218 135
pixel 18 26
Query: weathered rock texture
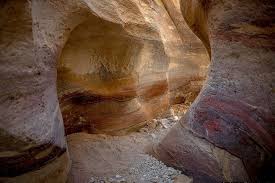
pixel 184 83
pixel 126 65
pixel 230 128
pixel 32 144
pixel 114 60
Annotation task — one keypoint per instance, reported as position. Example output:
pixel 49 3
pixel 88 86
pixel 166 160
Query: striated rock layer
pixel 228 134
pixel 187 71
pixel 113 62
pixel 126 65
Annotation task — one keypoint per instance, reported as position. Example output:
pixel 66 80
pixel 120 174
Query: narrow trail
pixel 105 159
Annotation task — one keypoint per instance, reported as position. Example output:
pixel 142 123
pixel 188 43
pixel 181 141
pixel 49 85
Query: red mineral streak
pixel 258 123
pixel 212 126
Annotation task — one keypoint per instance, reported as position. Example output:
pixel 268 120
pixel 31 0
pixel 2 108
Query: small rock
pixel 153 136
pixel 176 118
pixel 183 179
pixel 164 123
pixel 117 179
pixel 152 124
pixel 118 176
pixel 92 180
pixel 144 130
pixel 172 113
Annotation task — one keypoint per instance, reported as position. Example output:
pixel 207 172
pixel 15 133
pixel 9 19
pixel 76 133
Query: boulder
pixel 235 109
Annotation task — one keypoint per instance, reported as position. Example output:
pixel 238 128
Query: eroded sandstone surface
pixel 235 110
pixel 108 65
pixel 128 63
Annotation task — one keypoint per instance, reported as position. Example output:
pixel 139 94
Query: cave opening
pixel 119 70
pixel 111 82
pixel 106 76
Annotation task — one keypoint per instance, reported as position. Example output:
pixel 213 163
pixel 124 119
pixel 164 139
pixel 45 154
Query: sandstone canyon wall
pixel 125 66
pixel 228 134
pixel 110 65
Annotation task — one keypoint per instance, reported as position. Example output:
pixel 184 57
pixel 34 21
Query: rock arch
pixel 111 79
pixel 34 35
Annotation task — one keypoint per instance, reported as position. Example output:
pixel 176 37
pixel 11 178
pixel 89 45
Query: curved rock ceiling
pixel 106 76
pixel 116 73
pixel 112 64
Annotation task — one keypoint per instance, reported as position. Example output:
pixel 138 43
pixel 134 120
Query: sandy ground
pixel 103 158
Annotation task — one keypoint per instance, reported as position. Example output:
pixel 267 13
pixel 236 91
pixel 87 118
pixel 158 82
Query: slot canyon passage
pixel 137 91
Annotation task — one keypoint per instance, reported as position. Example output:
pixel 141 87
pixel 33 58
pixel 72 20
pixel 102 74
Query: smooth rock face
pixel 184 80
pixel 235 109
pixel 109 79
pixel 31 127
pixel 113 62
pixel 118 70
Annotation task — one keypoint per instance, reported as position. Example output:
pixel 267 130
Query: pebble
pixel 183 179
pixel 164 123
pixel 176 118
pixel 92 180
